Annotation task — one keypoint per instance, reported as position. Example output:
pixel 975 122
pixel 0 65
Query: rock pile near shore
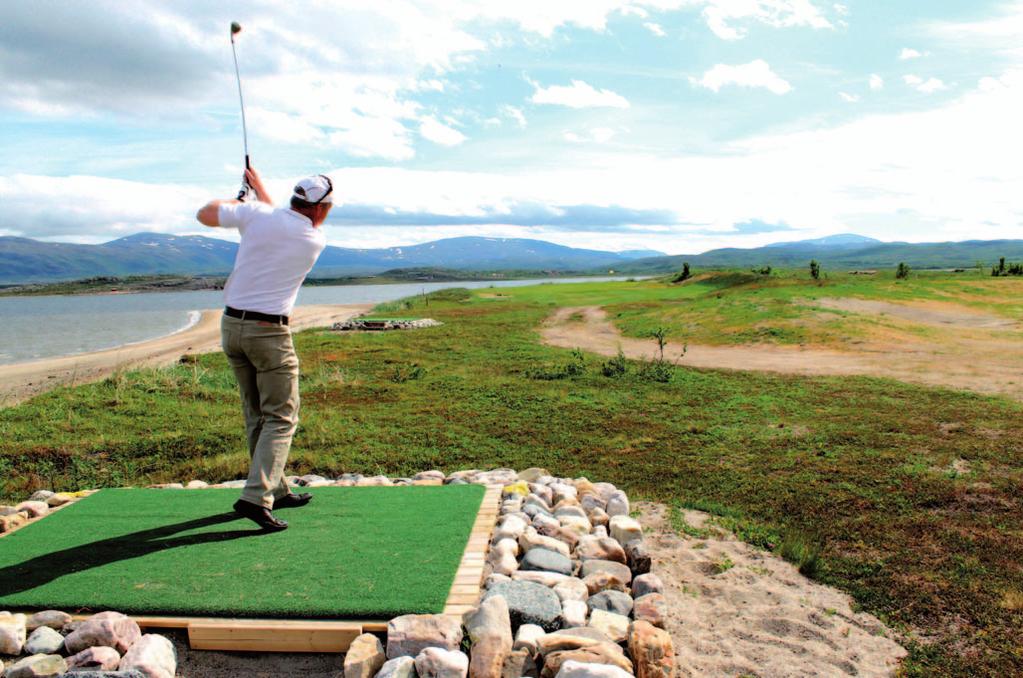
pixel 384 324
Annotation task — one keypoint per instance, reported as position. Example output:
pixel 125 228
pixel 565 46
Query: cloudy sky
pixel 676 125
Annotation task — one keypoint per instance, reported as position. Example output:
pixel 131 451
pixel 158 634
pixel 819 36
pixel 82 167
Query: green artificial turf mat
pixel 353 552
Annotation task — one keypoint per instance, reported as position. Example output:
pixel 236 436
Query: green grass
pixel 360 552
pixel 859 470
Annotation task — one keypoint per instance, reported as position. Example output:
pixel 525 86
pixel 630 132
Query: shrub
pixel 815 269
pixel 409 372
pixel 615 367
pixel 763 270
pixel 902 271
pixel 803 553
pixel 574 367
pixel 683 275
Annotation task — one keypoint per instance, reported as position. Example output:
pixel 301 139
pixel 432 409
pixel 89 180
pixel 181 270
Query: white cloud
pixel 439 133
pixel 721 15
pixel 600 135
pixel 876 81
pixel 578 95
pixel 851 98
pixel 908 53
pixel 654 28
pixel 926 86
pixel 756 73
pixel 943 174
pixel 515 114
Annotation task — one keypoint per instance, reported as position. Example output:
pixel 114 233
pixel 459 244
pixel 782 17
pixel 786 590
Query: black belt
pixel 256 315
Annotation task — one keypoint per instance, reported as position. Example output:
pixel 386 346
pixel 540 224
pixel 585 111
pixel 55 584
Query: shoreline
pixel 24 380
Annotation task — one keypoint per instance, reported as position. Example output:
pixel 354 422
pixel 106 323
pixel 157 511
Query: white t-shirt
pixel 278 249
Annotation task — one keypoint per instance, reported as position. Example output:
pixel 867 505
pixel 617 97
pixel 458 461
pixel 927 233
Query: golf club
pixel 236 28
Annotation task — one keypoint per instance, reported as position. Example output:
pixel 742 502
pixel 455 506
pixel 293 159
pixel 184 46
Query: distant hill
pixel 845 252
pixel 27 260
pixel 838 240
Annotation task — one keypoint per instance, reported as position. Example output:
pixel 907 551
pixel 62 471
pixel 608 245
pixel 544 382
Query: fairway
pixel 353 553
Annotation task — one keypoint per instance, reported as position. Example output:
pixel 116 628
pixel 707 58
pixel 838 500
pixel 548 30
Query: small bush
pixel 615 367
pixel 803 553
pixel 658 370
pixel 410 372
pixel 763 270
pixel 683 275
pixel 576 366
pixel 815 270
pixel 902 271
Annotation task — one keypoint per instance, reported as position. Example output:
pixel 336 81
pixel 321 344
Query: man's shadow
pixel 46 568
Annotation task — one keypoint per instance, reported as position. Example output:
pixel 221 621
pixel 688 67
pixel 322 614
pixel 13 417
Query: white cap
pixel 315 189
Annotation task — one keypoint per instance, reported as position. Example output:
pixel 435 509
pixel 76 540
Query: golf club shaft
pixel 241 100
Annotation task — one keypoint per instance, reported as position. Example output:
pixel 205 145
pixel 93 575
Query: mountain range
pixel 845 251
pixel 25 260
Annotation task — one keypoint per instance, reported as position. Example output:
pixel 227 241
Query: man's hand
pixel 252 176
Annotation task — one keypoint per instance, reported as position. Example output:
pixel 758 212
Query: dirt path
pixel 21 381
pixel 976 360
pixel 928 313
pixel 736 610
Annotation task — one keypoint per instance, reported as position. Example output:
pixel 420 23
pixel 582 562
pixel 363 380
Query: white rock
pixel 532 539
pixel 151 655
pixel 399 667
pixel 563 491
pixel 196 485
pixel 572 589
pixel 510 527
pixel 625 529
pixel 34 509
pixel 44 640
pixel 550 579
pixel 617 504
pixel 59 499
pixel 12 633
pixel 576 669
pixel 502 557
pixel 573 613
pixel 434 662
pixel 527 636
pixel 614 626
pixel 494 579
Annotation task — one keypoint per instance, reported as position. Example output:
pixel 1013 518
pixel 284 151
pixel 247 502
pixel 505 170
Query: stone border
pixel 568 591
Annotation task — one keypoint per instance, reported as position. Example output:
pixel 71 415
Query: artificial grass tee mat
pixel 353 552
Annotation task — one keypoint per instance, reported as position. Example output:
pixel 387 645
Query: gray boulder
pixel 529 603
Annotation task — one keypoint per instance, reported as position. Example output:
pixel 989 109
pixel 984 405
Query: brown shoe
pixel 260 515
pixel 292 500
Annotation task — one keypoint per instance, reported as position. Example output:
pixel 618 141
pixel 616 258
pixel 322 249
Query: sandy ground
pixel 758 617
pixel 24 380
pixel 212 664
pixel 942 314
pixel 968 353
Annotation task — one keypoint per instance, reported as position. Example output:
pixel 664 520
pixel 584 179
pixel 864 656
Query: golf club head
pixel 236 28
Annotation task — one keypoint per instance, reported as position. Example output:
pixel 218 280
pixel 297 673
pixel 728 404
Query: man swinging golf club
pixel 278 248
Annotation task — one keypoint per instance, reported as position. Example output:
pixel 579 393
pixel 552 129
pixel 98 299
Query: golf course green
pixel 353 552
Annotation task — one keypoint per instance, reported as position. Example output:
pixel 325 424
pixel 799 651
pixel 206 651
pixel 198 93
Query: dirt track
pixel 24 380
pixel 972 357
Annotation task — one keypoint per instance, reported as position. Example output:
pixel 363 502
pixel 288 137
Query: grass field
pixel 352 553
pixel 910 496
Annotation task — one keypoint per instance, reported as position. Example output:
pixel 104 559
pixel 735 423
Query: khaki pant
pixel 263 358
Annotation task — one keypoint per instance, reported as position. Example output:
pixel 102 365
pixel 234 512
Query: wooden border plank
pixel 465 589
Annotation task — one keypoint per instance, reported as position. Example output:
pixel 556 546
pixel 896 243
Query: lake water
pixel 45 327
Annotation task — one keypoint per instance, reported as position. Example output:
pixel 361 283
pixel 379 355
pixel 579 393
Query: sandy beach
pixel 21 381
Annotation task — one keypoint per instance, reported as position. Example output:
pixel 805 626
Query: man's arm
pixel 209 214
